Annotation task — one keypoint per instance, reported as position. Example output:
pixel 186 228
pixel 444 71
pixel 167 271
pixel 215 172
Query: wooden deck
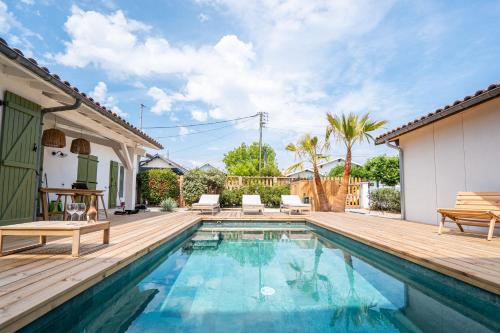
pixel 35 281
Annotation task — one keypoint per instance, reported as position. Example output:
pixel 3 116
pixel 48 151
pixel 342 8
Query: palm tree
pixel 309 149
pixel 350 129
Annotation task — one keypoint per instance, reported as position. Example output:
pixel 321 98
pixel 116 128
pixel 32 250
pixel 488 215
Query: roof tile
pixel 457 102
pixel 95 104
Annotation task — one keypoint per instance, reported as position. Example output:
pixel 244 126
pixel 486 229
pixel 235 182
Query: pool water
pixel 274 277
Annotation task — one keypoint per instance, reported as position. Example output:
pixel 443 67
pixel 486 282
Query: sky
pixel 192 62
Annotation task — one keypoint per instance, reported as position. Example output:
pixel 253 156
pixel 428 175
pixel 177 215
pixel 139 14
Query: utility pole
pixel 142 110
pixel 263 118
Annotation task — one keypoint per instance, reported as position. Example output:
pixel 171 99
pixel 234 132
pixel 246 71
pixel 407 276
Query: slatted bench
pixel 480 209
pixel 53 228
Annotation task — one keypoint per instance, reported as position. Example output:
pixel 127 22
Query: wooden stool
pixel 101 197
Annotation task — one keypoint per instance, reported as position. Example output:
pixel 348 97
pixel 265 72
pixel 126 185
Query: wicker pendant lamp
pixel 52 137
pixel 80 146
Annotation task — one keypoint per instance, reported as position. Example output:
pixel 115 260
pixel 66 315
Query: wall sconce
pixel 59 153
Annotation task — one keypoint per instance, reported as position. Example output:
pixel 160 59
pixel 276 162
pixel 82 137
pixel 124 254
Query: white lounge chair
pixel 208 202
pixel 293 203
pixel 252 203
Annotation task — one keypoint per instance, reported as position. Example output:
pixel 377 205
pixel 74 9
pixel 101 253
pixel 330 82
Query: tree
pixel 384 169
pixel 356 171
pixel 198 182
pixel 349 129
pixel 244 161
pixel 309 149
pixel 158 184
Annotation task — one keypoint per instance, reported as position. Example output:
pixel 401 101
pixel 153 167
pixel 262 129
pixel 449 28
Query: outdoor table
pixel 44 193
pixel 53 228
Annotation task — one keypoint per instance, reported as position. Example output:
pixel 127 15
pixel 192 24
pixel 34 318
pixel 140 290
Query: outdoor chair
pixel 208 202
pixel 292 203
pixel 479 209
pixel 252 203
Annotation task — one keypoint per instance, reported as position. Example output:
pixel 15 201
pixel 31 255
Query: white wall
pixel 62 172
pixel 459 153
pixel 157 163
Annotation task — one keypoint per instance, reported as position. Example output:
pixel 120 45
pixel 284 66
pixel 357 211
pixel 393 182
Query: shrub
pixel 385 199
pixel 231 198
pixel 270 196
pixel 157 184
pixel 197 182
pixel 168 204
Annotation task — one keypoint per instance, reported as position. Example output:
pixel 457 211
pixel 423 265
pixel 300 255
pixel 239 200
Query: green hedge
pixel 385 199
pixel 197 182
pixel 270 196
pixel 158 184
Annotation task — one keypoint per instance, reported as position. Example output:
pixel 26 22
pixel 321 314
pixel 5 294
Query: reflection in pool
pixel 237 277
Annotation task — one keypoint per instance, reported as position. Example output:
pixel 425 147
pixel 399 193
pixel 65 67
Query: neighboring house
pixel 158 161
pixel 326 167
pixel 208 167
pixel 301 174
pixel 34 100
pixel 455 148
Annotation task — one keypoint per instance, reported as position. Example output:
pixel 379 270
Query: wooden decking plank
pixel 113 260
pixel 33 268
pixel 34 282
pixel 386 239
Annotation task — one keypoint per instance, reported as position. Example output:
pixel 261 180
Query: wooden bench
pixel 53 228
pixel 480 209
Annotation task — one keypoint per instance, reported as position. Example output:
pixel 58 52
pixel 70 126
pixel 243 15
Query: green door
pixel 19 138
pixel 87 170
pixel 113 184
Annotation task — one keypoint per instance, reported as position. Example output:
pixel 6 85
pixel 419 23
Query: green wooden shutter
pixel 87 170
pixel 19 136
pixel 81 176
pixel 92 172
pixel 113 184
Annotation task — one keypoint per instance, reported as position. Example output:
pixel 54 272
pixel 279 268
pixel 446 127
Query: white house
pixel 158 161
pixel 301 174
pixel 33 100
pixel 208 167
pixel 326 167
pixel 456 148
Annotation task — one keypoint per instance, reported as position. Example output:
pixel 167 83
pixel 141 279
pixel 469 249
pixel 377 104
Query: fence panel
pixel 233 182
pixel 305 188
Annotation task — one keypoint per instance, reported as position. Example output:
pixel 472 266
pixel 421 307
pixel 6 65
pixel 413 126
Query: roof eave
pixel 44 74
pixel 438 115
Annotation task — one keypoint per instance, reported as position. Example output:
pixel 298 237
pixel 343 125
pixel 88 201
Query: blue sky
pixel 210 60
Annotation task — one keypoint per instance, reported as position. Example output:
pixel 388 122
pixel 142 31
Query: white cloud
pixel 100 94
pixel 28 2
pixel 17 34
pixel 203 17
pixel 199 115
pixel 284 70
pixel 163 102
pixel 184 131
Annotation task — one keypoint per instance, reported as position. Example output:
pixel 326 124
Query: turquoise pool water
pixel 274 277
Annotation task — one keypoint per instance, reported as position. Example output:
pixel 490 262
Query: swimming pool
pixel 273 277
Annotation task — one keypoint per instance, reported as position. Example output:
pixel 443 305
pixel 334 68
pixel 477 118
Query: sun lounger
pixel 208 202
pixel 292 203
pixel 252 203
pixel 480 209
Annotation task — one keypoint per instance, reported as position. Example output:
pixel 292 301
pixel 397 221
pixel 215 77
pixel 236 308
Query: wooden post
pixel 181 196
pixel 75 249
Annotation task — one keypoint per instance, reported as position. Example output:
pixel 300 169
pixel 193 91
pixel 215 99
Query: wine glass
pixel 71 209
pixel 80 210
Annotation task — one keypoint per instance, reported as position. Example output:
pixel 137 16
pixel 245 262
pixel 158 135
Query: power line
pixel 206 141
pixel 193 133
pixel 203 124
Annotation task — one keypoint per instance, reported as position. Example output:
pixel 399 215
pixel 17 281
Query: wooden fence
pixel 233 182
pixel 305 189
